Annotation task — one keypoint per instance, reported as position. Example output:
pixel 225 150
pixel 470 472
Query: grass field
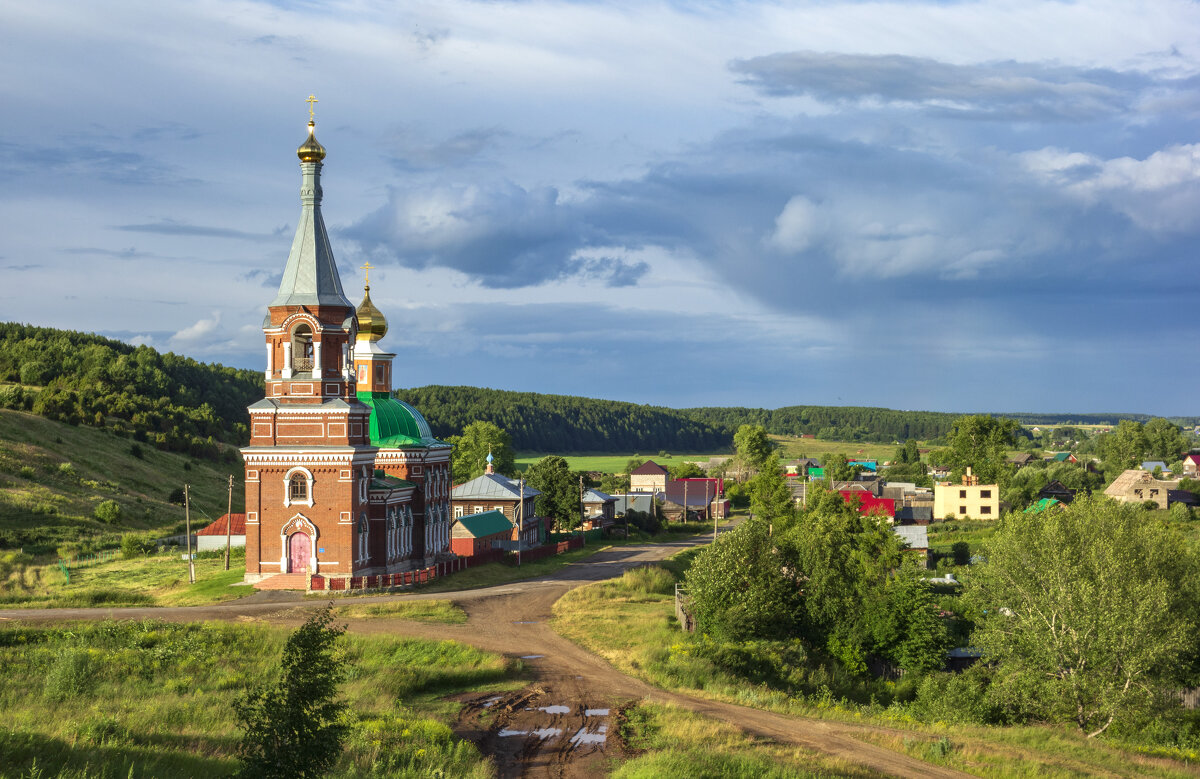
pixel 151 699
pixel 630 622
pixel 53 475
pixel 156 580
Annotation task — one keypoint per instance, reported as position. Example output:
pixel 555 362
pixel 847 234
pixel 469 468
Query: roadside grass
pixel 676 743
pixel 147 698
pixel 441 611
pixel 630 622
pixel 155 580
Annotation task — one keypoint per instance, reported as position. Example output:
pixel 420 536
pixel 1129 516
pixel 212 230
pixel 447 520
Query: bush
pixel 176 496
pixel 957 698
pixel 108 512
pixel 72 674
pixel 26 472
pixel 134 546
pixel 960 551
pixel 66 469
pixel 136 451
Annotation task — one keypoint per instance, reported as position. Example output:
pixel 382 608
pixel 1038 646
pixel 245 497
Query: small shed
pixel 916 537
pixel 477 533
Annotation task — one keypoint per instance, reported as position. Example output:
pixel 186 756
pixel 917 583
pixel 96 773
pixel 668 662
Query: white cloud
pixel 797 225
pixel 198 333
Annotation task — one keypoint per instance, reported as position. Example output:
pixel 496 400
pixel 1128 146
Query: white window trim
pixel 287 487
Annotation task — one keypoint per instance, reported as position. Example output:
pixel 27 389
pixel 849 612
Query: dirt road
pixel 513 619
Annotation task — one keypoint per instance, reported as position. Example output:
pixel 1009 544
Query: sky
pixel 950 206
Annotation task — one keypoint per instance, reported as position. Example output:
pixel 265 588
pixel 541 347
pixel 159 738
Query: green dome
pixel 394 423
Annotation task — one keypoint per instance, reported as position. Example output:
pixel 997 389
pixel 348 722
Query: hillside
pixel 171 402
pixel 53 475
pixel 565 423
pixel 835 423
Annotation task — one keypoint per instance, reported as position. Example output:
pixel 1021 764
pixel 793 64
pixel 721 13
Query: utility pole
pixel 581 495
pixel 520 522
pixel 228 522
pixel 187 525
pixel 685 505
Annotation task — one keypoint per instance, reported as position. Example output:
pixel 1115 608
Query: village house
pixel 599 509
pixel 648 477
pixel 1136 486
pixel 213 536
pixel 477 533
pixel 698 495
pixel 1191 465
pixel 916 540
pixel 968 500
pixel 515 500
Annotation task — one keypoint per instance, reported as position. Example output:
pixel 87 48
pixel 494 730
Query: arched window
pixel 298 488
pixel 362 536
pixel 302 348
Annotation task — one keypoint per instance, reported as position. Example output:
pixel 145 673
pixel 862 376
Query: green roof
pixel 1042 505
pixel 816 473
pixel 486 523
pixel 394 423
pixel 381 481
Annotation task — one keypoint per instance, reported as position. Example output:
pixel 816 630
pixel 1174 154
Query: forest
pixel 170 401
pixel 564 423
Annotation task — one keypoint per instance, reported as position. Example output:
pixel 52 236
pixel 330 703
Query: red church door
pixel 299 551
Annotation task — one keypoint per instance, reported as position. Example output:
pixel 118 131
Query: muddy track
pixel 513 619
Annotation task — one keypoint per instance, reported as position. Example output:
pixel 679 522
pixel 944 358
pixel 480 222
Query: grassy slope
pixel 631 622
pixel 101 468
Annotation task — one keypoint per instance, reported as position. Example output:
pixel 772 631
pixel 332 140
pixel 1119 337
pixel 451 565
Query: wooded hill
pixel 834 423
pixel 565 423
pixel 172 402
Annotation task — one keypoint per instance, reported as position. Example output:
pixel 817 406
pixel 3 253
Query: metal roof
pixel 916 536
pixel 310 277
pixel 492 485
pixel 487 523
pixel 396 424
pixel 596 496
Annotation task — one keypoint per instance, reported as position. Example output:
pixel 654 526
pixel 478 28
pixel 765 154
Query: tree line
pixel 168 400
pixel 564 423
pixel 834 423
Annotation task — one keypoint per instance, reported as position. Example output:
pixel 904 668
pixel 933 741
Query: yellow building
pixel 969 500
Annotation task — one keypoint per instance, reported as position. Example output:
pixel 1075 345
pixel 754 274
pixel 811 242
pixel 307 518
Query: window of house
pixel 962 509
pixel 458 511
pixel 985 493
pixel 298 488
pixel 985 509
pixel 962 493
pixel 479 509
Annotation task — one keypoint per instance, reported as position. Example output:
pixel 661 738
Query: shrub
pixel 108 511
pixel 72 674
pixel 136 451
pixel 66 469
pixel 134 546
pixel 957 698
pixel 961 552
pixel 26 472
pixel 176 496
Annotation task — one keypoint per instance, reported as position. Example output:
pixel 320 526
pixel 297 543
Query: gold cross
pixel 310 100
pixel 366 266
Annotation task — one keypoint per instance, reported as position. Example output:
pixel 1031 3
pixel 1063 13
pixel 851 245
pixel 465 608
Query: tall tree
pixel 478 440
pixel 770 497
pixel 981 443
pixel 293 726
pixel 1164 441
pixel 755 450
pixel 686 471
pixel 1123 448
pixel 560 497
pixel 1090 613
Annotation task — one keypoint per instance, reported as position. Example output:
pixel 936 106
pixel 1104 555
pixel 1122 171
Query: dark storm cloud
pixel 999 90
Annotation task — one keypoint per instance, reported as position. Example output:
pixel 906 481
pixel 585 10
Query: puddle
pixel 545 733
pixel 555 709
pixel 507 733
pixel 525 622
pixel 596 713
pixel 490 702
pixel 583 737
pixel 531 657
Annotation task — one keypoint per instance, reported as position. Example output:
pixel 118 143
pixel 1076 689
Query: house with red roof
pixel 213 536
pixel 1191 466
pixel 868 504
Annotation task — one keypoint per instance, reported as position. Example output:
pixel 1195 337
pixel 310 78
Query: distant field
pixel 790 447
pixel 614 463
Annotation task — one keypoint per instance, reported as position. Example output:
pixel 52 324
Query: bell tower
pixel 310 460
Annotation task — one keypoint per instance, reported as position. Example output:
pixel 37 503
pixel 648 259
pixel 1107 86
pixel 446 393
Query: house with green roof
pixel 476 533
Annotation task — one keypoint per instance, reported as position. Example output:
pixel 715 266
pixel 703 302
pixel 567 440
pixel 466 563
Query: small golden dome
pixel 310 150
pixel 371 324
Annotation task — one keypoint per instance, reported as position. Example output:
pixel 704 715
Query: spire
pixel 311 277
pixel 489 468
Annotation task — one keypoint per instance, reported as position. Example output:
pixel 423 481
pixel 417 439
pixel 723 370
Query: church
pixel 342 479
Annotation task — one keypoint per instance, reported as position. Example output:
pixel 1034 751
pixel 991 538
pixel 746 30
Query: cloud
pixel 996 90
pixel 796 226
pixel 88 160
pixel 172 227
pixel 449 152
pixel 1160 193
pixel 201 332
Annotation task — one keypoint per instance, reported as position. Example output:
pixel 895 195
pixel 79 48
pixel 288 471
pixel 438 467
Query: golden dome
pixel 371 324
pixel 310 150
